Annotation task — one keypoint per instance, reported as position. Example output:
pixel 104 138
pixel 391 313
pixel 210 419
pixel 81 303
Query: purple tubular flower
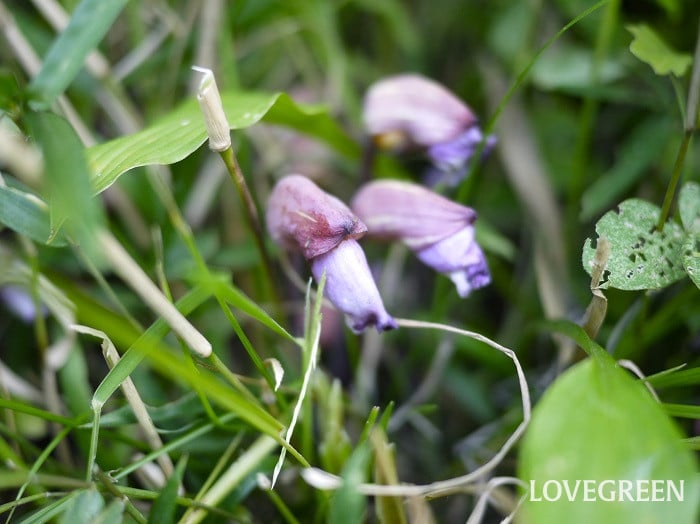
pixel 304 218
pixel 410 111
pixel 351 288
pixel 439 231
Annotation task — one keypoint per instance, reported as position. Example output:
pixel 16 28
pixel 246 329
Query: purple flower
pixel 351 288
pixel 304 218
pixel 410 111
pixel 439 231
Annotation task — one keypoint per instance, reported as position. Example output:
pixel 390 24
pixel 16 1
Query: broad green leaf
pixel 84 508
pixel 182 131
pixel 641 149
pixel 164 506
pixel 652 50
pixel 640 256
pixel 691 257
pixel 689 206
pixel 597 423
pixel 348 506
pixel 27 215
pixel 88 24
pixel 70 198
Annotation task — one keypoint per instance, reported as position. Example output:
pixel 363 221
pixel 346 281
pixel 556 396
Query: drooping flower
pixel 439 231
pixel 410 111
pixel 302 217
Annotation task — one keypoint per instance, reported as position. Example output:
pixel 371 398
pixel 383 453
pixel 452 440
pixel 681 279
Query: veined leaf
pixel 596 423
pixel 182 131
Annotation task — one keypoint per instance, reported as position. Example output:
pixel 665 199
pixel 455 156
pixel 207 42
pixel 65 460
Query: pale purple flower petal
pixel 455 154
pixel 20 302
pixel 413 112
pixel 409 212
pixel 439 231
pixel 423 110
pixel 351 288
pixel 461 258
pixel 305 218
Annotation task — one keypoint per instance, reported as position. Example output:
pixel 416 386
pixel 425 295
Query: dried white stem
pixel 628 364
pixel 439 488
pixel 131 273
pixel 111 356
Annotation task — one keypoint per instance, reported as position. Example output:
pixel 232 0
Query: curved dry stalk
pixel 324 480
pixel 494 483
pixel 631 366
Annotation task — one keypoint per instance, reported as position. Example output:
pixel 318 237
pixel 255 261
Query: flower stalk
pixel 218 131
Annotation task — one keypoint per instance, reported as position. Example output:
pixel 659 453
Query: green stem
pixel 251 214
pixel 691 117
pixel 519 81
pixel 675 177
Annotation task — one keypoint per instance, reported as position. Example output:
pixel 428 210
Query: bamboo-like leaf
pixel 24 213
pixel 182 131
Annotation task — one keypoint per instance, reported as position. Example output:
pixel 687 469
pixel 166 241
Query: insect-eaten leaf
pixel 651 49
pixel 640 256
pixel 609 459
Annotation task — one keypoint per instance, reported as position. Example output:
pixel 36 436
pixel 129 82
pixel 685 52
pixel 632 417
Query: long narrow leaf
pixel 182 131
pixel 87 26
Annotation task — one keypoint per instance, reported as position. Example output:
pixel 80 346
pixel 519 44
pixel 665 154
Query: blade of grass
pixel 87 26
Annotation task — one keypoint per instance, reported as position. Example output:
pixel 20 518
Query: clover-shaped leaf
pixel 640 256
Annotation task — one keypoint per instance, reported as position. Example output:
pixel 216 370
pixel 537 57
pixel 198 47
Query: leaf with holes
pixel 689 207
pixel 640 256
pixel 691 257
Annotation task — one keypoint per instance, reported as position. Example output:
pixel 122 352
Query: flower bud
pixel 302 217
pixel 410 111
pixel 439 231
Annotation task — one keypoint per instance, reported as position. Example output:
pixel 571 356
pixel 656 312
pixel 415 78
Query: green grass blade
pixel 24 213
pixel 70 198
pixel 133 357
pixel 87 26
pixel 682 410
pixel 163 509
